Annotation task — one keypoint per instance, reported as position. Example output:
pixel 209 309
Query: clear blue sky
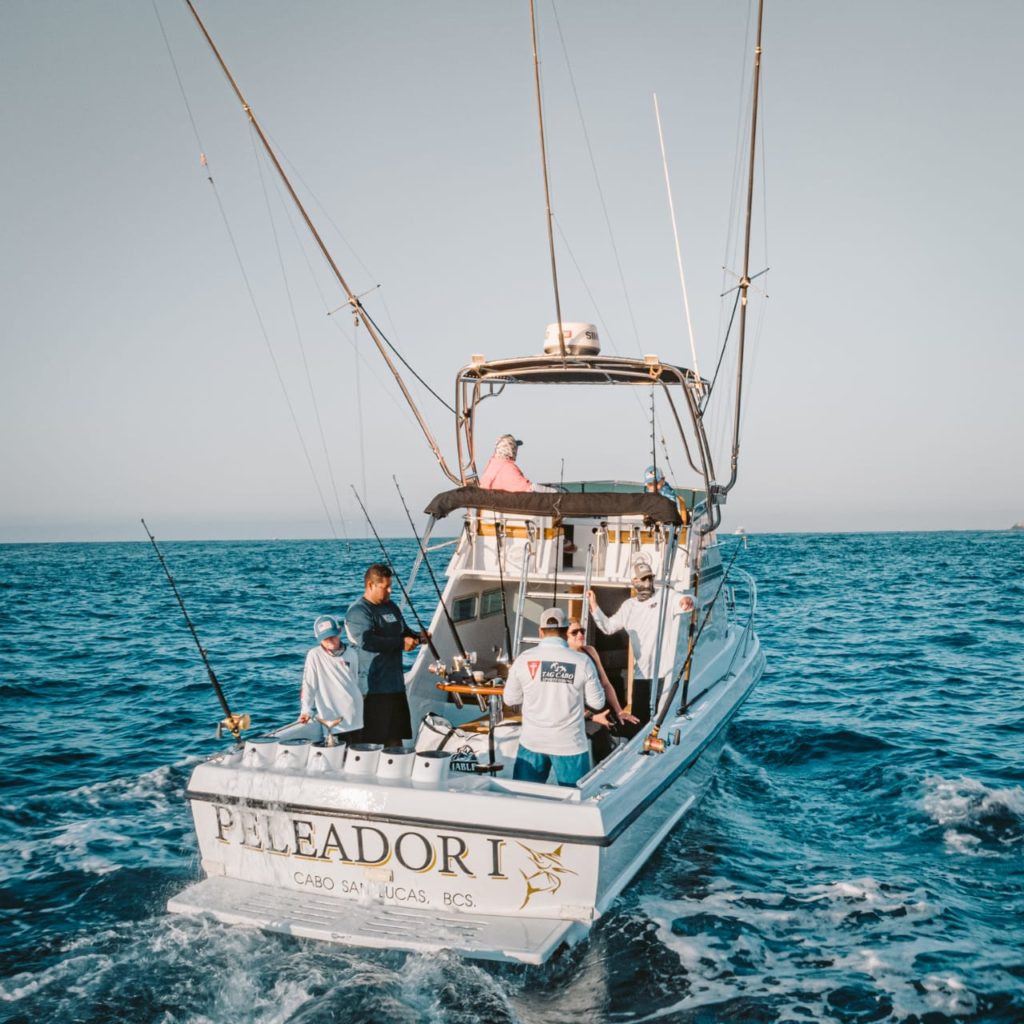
pixel 885 378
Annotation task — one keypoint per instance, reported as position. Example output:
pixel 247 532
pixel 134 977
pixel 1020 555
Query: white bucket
pixel 431 768
pixel 260 752
pixel 395 763
pixel 291 754
pixel 323 758
pixel 362 758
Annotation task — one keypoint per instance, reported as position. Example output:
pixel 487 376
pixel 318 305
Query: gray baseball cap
pixel 554 618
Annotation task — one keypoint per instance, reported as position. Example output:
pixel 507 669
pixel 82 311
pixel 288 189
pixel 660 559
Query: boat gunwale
pixel 605 839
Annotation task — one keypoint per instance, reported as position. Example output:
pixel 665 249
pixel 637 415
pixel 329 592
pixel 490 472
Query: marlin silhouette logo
pixel 547 877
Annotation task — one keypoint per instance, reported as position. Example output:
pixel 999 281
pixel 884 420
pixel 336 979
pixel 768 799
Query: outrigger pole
pixel 353 300
pixel 745 278
pixel 653 743
pixel 433 578
pixel 405 593
pixel 232 722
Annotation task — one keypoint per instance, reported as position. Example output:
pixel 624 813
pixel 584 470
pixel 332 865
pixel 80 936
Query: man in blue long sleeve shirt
pixel 376 629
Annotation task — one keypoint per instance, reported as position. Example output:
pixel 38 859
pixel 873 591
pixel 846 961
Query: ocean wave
pixel 975 817
pixel 786 742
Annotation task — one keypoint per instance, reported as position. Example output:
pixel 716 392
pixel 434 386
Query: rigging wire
pixel 358 359
pixel 298 333
pixel 597 312
pixel 547 185
pixel 597 182
pixel 330 220
pixel 204 162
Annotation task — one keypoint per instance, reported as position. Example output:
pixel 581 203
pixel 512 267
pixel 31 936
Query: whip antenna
pixel 675 235
pixel 547 186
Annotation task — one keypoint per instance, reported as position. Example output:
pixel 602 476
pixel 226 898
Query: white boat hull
pixel 485 866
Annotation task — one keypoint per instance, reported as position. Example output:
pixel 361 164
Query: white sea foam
pixel 101 827
pixel 966 801
pixel 774 949
pixel 154 786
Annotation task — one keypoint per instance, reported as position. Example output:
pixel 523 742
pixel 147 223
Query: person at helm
pixel 502 473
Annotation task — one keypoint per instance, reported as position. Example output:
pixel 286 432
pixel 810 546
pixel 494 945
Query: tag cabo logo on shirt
pixel 557 672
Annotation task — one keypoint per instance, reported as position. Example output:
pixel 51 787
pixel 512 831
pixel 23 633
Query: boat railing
pixel 741 600
pixel 602 551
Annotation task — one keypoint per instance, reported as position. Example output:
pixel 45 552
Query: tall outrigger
pixel 436 846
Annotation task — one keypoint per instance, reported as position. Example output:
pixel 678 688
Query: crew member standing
pixel 330 683
pixel 376 628
pixel 638 616
pixel 553 683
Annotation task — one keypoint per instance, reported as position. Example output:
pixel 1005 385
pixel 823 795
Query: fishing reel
pixel 235 724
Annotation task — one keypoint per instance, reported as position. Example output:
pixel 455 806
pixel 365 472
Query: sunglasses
pixel 576 631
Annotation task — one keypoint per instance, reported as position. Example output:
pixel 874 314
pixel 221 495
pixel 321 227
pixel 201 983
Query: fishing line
pixel 430 571
pixel 245 278
pixel 362 309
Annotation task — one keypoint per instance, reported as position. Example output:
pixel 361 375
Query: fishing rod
pixel 433 578
pixel 653 742
pixel 499 544
pixel 654 447
pixel 558 550
pixel 424 634
pixel 234 723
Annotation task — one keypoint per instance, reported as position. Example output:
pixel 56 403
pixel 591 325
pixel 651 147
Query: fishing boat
pixel 434 845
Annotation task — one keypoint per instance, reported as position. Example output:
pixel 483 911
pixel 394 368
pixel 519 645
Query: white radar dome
pixel 580 340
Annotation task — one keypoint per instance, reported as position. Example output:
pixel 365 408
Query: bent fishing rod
pixel 430 571
pixel 424 634
pixel 232 722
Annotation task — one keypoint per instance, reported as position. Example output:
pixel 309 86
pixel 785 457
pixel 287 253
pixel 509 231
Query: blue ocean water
pixel 859 857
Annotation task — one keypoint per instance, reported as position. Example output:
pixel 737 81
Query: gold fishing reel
pixel 235 724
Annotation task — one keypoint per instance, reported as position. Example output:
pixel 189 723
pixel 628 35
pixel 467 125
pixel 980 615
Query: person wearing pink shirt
pixel 502 473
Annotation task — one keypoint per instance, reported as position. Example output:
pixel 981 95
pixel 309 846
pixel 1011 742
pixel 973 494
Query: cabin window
pixel 490 603
pixel 464 608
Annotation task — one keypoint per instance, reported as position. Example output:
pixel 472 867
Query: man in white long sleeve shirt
pixel 638 616
pixel 552 682
pixel 330 683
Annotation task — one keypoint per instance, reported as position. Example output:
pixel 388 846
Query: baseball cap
pixel 651 475
pixel 554 618
pixel 326 626
pixel 642 568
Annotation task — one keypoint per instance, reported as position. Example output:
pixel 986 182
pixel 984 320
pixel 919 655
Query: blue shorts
pixel 533 767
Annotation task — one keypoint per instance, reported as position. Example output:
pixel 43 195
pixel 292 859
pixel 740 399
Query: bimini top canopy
pixel 588 504
pixel 592 369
